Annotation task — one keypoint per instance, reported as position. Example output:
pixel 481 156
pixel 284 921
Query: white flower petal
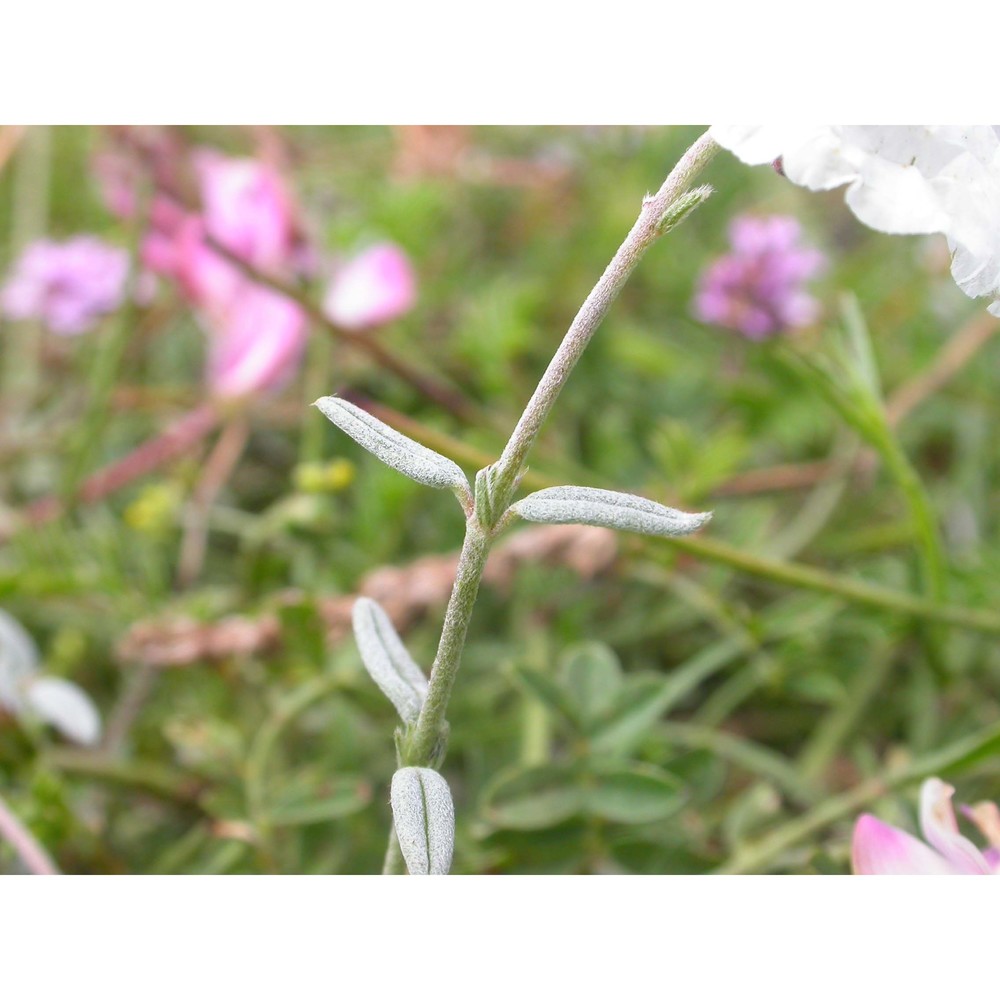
pixel 65 706
pixel 902 180
pixel 937 820
pixel 18 662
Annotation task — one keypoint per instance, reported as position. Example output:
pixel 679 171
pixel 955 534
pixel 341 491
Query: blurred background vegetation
pixel 626 704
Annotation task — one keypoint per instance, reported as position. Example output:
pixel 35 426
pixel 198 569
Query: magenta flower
pixel 757 289
pixel 880 849
pixel 68 286
pixel 375 287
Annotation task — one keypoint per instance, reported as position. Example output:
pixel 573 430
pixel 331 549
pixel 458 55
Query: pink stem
pixel 34 857
pixel 170 444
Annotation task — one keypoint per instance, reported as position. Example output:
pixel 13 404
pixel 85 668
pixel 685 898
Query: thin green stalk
pixel 856 591
pixel 753 757
pixel 831 733
pixel 30 212
pixel 393 864
pixel 934 570
pixel 264 743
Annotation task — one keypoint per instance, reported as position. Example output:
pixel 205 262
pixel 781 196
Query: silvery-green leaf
pixel 397 451
pixel 65 706
pixel 679 209
pixel 18 662
pixel 424 818
pixel 606 509
pixel 387 660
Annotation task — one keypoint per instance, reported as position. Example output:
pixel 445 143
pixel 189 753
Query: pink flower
pixel 247 209
pixel 256 336
pixel 68 286
pixel 757 289
pixel 258 344
pixel 375 287
pixel 880 849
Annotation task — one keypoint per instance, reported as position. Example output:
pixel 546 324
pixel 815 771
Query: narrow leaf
pixel 424 817
pixel 397 450
pixel 333 799
pixel 606 509
pixel 387 660
pixel 679 209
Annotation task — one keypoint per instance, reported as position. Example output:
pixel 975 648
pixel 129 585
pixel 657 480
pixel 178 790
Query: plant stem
pixel 933 565
pixel 425 745
pixel 422 746
pixel 643 234
pixel 218 468
pixel 33 856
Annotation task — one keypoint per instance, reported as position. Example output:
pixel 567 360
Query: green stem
pixel 856 591
pixel 425 744
pixel 934 571
pixel 830 734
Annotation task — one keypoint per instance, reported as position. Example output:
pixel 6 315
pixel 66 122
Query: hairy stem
pixel 643 234
pixel 425 744
pixel 422 747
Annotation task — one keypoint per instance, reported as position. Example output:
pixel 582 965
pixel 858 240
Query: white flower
pixel 901 179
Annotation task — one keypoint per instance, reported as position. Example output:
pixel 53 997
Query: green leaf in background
pixel 334 799
pixel 552 694
pixel 331 799
pixel 592 678
pixel 639 793
pixel 533 798
pixel 637 708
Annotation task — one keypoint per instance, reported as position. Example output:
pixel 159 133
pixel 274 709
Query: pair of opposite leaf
pixel 556 505
pixel 422 807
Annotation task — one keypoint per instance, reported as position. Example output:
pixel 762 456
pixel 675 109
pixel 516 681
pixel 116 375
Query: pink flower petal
pixel 880 849
pixel 373 288
pixel 937 819
pixel 247 209
pixel 258 345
